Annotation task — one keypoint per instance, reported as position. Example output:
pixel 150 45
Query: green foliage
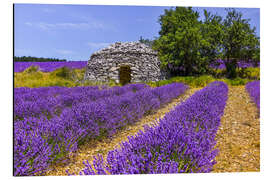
pixel 249 73
pixel 179 39
pixel 63 72
pixel 58 77
pixel 192 81
pixel 36 59
pixel 256 56
pixel 218 73
pixel 187 42
pixel 31 69
pixel 252 73
pixel 200 81
pixel 187 46
pixel 212 32
pixel 237 81
pixel 239 41
pixel 147 42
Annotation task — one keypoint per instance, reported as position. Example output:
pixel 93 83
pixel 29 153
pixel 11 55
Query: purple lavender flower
pixel 49 66
pixel 219 64
pixel 182 141
pixel 53 121
pixel 253 88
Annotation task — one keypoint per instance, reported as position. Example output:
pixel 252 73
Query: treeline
pixel 188 46
pixel 37 59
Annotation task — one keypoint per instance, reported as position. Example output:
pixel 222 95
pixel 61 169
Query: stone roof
pixel 126 47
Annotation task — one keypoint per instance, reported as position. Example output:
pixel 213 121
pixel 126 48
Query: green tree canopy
pixel 187 43
pixel 187 46
pixel 239 41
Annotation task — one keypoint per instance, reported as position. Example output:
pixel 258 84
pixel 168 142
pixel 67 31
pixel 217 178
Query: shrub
pixel 31 69
pixel 192 81
pixel 218 73
pixel 64 72
pixel 249 73
pixel 200 81
pixel 237 81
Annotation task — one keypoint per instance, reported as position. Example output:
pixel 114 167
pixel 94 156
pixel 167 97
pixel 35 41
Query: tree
pixel 187 46
pixel 212 32
pixel 36 59
pixel 147 42
pixel 239 41
pixel 256 55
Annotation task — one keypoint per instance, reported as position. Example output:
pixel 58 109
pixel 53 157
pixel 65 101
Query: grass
pixel 33 78
pixel 246 73
pixel 200 81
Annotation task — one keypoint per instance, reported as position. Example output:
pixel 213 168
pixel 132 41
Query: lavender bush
pixel 219 64
pixel 33 102
pixel 49 66
pixel 182 141
pixel 40 140
pixel 253 89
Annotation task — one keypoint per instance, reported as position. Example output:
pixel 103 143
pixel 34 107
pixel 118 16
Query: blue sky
pixel 74 32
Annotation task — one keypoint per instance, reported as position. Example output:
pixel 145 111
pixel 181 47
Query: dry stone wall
pixel 104 65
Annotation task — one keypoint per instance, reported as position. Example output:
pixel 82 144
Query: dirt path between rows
pixel 86 152
pixel 238 138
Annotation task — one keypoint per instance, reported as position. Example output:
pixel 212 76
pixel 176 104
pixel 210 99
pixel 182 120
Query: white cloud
pixel 67 25
pixel 44 26
pixel 64 52
pixel 28 24
pixel 93 21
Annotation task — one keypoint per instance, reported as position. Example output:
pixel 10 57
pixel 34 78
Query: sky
pixel 74 32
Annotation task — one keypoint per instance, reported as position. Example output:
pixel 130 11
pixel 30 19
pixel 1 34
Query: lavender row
pixel 39 142
pixel 49 101
pixel 49 66
pixel 182 141
pixel 253 88
pixel 219 64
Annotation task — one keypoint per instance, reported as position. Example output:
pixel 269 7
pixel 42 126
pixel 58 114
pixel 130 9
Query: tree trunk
pixel 231 67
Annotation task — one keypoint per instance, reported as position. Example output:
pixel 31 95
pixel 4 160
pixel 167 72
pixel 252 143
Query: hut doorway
pixel 124 74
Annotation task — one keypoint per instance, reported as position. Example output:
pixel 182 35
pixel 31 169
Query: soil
pixel 238 137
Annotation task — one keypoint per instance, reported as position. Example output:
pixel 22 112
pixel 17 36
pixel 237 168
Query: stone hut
pixel 132 60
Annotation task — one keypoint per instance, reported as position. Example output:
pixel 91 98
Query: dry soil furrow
pixel 238 138
pixel 86 152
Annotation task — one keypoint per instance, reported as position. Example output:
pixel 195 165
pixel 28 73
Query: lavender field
pixel 52 122
pixel 180 95
pixel 49 66
pixel 183 140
